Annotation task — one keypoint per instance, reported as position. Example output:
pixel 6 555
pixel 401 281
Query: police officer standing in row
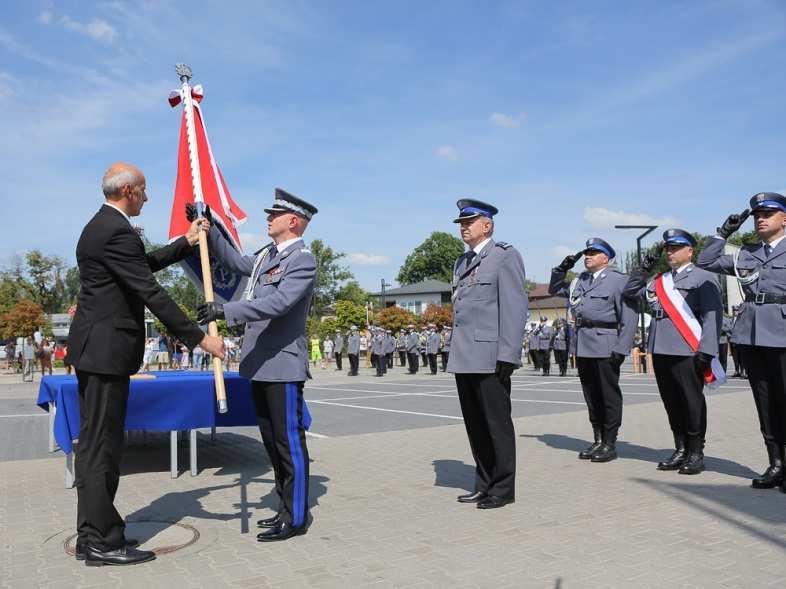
pixel 353 350
pixel 545 335
pixel 390 347
pixel 534 346
pixel 338 348
pixel 378 345
pixel 760 328
pixel 401 348
pixel 489 312
pixel 605 326
pixel 679 369
pixel 447 331
pixel 413 341
pixel 274 310
pixel 432 347
pixel 560 345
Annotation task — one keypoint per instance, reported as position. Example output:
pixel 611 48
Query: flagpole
pixel 184 72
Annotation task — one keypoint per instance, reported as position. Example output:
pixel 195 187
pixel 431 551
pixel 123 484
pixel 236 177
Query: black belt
pixel 762 298
pixel 601 324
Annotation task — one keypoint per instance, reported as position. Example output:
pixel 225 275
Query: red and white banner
pixel 215 192
pixel 681 315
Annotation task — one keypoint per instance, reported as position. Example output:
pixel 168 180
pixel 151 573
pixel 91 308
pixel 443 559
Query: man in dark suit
pixel 106 344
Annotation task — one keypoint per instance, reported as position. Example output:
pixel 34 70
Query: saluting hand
pixel 569 261
pixel 732 223
pixel 652 258
pixel 209 312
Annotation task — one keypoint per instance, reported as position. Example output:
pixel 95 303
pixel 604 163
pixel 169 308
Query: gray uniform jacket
pixel 401 344
pixel 338 344
pixel 560 341
pixel 390 344
pixel 447 335
pixel 572 340
pixel 534 339
pixel 489 310
pixel 758 324
pixel 545 336
pixel 725 332
pixel 378 344
pixel 432 343
pixel 701 291
pixel 274 341
pixel 353 344
pixel 413 342
pixel 601 301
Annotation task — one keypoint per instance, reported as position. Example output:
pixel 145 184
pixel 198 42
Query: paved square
pixel 389 455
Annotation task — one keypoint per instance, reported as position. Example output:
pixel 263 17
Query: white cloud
pixel 251 242
pixel 447 152
pixel 362 259
pixel 96 28
pixel 499 119
pixel 558 252
pixel 45 17
pixel 601 218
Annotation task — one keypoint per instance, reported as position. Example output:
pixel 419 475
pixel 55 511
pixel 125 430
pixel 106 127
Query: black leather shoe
pixel 694 464
pixel 79 549
pixel 120 557
pixel 270 522
pixel 283 531
pixel 773 476
pixel 492 502
pixel 473 497
pixel 587 453
pixel 679 456
pixel 606 453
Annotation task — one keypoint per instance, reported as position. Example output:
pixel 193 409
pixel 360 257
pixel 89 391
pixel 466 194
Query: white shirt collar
pixel 598 272
pixel 285 244
pixel 774 243
pixel 119 210
pixel 681 268
pixel 479 248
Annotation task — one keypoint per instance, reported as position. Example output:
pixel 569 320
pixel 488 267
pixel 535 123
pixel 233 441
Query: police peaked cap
pixel 600 245
pixel 768 200
pixel 471 209
pixel 289 203
pixel 678 237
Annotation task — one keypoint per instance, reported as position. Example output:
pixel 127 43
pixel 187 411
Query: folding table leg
pixel 213 435
pixel 173 454
pixel 52 412
pixel 193 451
pixel 69 470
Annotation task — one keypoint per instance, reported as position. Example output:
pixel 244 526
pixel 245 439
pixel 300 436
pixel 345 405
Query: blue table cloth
pixel 172 401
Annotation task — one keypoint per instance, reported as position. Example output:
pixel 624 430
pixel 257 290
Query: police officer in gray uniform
pixel 274 310
pixel 338 348
pixel 560 344
pixel 534 346
pixel 401 348
pixel 605 326
pixel 723 341
pixel 378 347
pixel 353 349
pixel 679 369
pixel 545 335
pixel 390 347
pixel 447 331
pixel 489 314
pixel 760 328
pixel 432 347
pixel 413 342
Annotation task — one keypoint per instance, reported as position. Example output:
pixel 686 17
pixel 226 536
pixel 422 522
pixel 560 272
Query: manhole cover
pixel 162 537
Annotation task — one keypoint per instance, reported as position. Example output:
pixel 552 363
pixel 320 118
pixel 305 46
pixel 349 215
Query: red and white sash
pixel 675 306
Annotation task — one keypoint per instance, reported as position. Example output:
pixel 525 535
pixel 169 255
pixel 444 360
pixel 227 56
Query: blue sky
pixel 568 116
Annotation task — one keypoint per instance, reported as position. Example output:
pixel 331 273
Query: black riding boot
pixel 608 449
pixel 679 456
pixel 773 476
pixel 587 453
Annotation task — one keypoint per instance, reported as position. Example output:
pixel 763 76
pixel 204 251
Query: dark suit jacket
pixel 107 334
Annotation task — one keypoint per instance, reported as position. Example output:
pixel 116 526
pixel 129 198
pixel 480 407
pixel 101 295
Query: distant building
pixel 416 297
pixel 542 303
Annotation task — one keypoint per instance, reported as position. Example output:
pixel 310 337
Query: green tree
pixel 348 314
pixel 352 291
pixel 330 274
pixel 434 258
pixel 46 274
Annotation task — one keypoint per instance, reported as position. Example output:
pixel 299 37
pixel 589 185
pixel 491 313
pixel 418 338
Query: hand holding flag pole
pixel 184 72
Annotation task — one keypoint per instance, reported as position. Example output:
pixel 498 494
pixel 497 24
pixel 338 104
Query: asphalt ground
pixel 343 406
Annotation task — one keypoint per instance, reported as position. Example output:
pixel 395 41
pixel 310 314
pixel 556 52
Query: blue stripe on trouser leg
pixel 293 436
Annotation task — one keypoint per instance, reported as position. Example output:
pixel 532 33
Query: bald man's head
pixel 124 186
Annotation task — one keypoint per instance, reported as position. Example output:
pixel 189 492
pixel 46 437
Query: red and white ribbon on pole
pixel 681 315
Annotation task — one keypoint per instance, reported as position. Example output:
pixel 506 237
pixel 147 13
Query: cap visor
pixel 466 218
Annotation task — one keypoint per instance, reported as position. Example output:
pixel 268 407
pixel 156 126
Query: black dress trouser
pixel 413 362
pixel 766 368
pixel 338 360
pixel 402 358
pixel 444 356
pixel 103 400
pixel 354 363
pixel 432 363
pixel 561 357
pixel 681 390
pixel 600 383
pixel 545 359
pixel 279 408
pixel 485 405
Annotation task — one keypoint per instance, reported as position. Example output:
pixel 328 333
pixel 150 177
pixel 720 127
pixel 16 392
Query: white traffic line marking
pixel 318 436
pixel 374 391
pixel 388 410
pixel 27 415
pixel 386 396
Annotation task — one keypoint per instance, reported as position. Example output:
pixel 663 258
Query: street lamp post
pixel 649 229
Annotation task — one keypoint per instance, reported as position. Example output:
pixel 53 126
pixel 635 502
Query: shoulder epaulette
pixel 503 245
